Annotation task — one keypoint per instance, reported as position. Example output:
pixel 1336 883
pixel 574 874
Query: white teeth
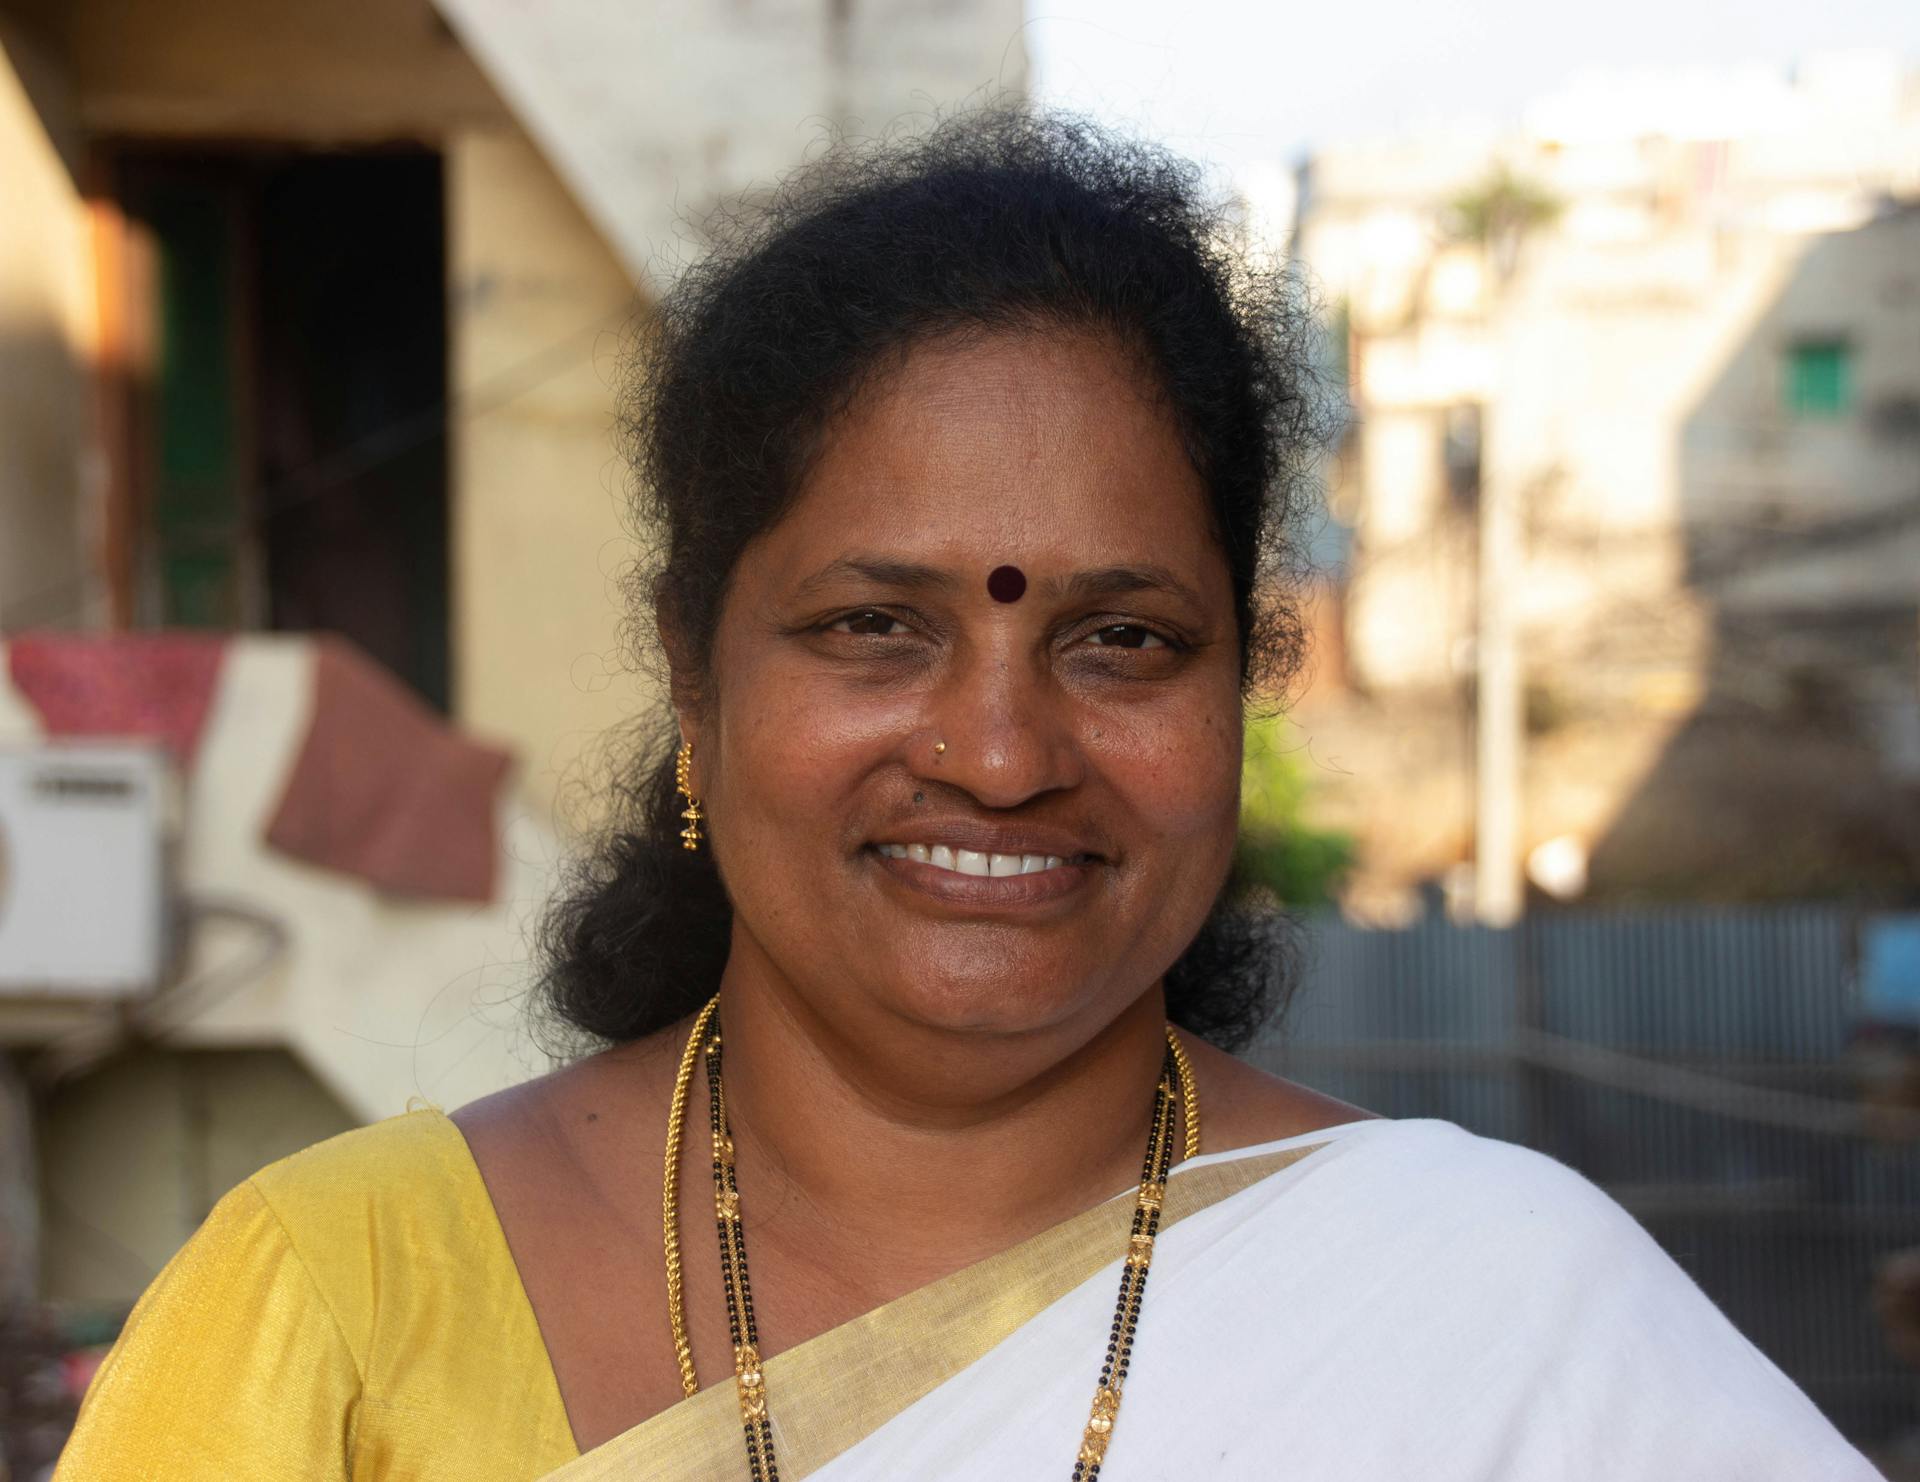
pixel 972 861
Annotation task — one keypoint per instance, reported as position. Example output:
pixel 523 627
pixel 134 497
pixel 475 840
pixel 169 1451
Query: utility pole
pixel 1499 736
pixel 1498 733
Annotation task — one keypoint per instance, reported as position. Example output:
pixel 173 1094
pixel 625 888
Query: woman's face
pixel 886 739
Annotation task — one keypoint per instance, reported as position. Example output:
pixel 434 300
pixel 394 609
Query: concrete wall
pixel 654 112
pixel 1634 412
pixel 45 319
pixel 345 71
pixel 1715 596
pixel 134 1155
pixel 1629 360
pixel 537 306
pixel 1814 482
pixel 541 313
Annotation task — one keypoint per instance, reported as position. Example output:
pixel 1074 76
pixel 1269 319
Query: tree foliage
pixel 1303 865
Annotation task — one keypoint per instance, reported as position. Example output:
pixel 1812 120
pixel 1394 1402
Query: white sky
pixel 1239 81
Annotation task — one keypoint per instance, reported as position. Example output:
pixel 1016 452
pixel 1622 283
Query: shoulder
pixel 1498 1243
pixel 1243 1106
pixel 1490 1196
pixel 1560 1310
pixel 1428 1207
pixel 571 1134
pixel 386 1222
pixel 1515 1180
pixel 313 1231
pixel 416 1161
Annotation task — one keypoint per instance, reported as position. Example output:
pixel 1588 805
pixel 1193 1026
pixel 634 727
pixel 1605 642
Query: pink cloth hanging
pixel 153 686
pixel 385 789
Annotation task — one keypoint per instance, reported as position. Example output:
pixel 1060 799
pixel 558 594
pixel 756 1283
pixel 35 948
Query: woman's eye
pixel 867 624
pixel 1127 635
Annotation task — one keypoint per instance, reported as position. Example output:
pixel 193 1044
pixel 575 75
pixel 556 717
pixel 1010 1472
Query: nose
pixel 1009 731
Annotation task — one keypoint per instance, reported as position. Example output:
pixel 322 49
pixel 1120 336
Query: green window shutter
pixel 198 507
pixel 1819 378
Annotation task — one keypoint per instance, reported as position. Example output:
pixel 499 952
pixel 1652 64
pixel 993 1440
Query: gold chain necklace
pixel 750 1386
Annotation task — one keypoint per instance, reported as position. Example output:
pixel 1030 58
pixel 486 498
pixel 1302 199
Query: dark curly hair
pixel 999 218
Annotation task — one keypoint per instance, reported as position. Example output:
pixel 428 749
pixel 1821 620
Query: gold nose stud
pixel 939 748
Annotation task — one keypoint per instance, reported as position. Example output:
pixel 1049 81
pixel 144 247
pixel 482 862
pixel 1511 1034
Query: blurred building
pixel 312 319
pixel 1634 487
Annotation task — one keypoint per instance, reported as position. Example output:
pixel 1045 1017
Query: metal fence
pixel 1692 1063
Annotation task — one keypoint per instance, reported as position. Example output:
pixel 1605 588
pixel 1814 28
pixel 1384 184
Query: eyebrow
pixel 1103 581
pixel 879 571
pixel 1113 581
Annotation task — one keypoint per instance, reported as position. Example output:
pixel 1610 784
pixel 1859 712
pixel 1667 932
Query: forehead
pixel 1048 450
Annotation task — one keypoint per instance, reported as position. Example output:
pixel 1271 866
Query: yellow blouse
pixel 352 1311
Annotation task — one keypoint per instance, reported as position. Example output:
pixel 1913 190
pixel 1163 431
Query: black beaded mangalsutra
pixel 1133 1272
pixel 749 1381
pixel 1175 1091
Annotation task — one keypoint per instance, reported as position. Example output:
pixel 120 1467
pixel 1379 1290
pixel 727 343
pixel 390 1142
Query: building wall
pixel 542 317
pixel 654 113
pixel 1628 362
pixel 346 71
pixel 537 307
pixel 1827 489
pixel 45 317
pixel 134 1154
pixel 1715 596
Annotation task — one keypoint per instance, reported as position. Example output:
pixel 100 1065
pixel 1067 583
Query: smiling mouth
pixel 977 863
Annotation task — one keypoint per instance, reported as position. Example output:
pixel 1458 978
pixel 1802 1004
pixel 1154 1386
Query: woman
pixel 975 463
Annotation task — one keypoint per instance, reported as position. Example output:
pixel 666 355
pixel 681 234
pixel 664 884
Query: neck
pixel 921 1149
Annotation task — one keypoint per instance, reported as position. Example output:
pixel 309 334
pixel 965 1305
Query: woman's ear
pixel 682 691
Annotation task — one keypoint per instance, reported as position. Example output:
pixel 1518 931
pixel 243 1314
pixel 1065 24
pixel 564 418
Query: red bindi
pixel 1006 584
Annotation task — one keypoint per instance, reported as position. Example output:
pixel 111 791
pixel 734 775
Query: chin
pixel 991 997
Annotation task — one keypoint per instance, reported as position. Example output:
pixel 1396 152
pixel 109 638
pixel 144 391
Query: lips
pixel 991 866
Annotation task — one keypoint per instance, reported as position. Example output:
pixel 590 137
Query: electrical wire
pixel 152 1020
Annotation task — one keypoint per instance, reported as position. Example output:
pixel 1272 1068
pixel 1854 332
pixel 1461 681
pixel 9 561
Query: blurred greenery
pixel 1301 864
pixel 1502 203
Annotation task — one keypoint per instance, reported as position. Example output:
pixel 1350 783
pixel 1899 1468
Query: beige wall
pixel 541 317
pixel 134 1155
pixel 1629 367
pixel 236 69
pixel 1713 594
pixel 538 305
pixel 654 113
pixel 44 322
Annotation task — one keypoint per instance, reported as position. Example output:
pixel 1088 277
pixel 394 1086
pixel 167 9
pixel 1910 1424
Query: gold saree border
pixel 834 1390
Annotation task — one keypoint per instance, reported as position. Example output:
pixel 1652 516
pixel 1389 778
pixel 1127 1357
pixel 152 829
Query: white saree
pixel 1375 1302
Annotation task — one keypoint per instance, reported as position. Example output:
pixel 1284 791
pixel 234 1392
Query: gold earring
pixel 682 766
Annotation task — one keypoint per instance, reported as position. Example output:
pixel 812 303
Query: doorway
pixel 289 444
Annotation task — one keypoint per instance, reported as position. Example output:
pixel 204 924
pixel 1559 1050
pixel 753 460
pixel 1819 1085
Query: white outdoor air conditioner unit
pixel 86 831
